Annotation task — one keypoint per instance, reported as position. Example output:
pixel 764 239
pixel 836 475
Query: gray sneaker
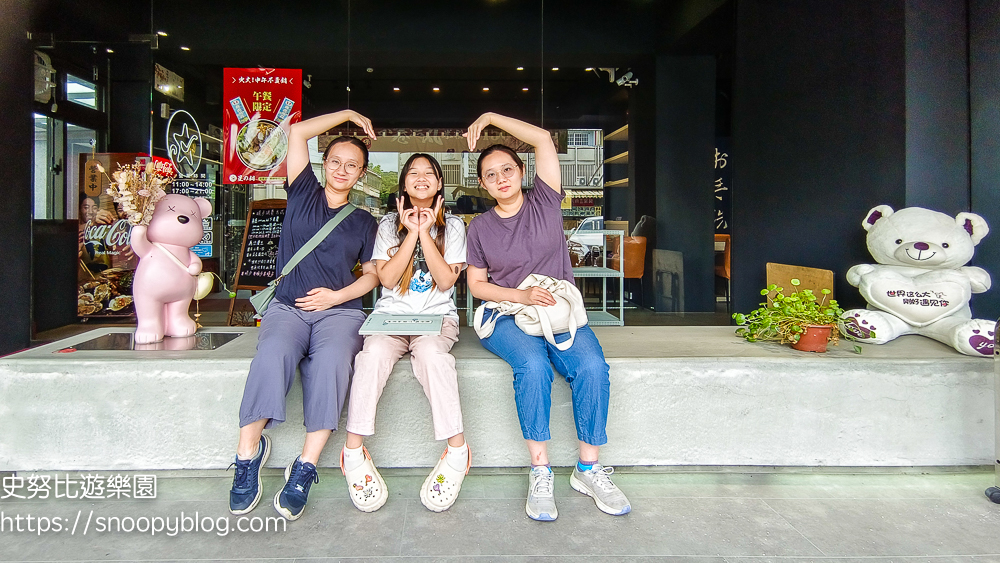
pixel 596 483
pixel 541 503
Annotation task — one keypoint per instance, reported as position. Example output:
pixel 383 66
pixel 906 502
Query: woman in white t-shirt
pixel 419 253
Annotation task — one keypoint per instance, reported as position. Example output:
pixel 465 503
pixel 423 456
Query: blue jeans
pixel 532 359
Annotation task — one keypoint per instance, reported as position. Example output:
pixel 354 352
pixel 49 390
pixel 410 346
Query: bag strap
pixel 172 257
pixel 312 243
pixel 484 327
pixel 543 319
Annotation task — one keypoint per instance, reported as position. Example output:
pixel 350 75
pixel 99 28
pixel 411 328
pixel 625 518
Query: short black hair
pixel 497 148
pixel 354 141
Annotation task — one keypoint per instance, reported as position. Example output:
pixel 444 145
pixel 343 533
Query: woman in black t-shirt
pixel 313 322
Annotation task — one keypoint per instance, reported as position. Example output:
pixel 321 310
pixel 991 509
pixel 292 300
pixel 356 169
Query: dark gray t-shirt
pixel 329 264
pixel 530 242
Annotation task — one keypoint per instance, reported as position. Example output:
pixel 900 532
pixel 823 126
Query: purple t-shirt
pixel 530 242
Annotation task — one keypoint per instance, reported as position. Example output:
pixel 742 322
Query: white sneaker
pixel 440 489
pixel 541 504
pixel 367 489
pixel 596 483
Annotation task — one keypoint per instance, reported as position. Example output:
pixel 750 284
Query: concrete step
pixel 679 396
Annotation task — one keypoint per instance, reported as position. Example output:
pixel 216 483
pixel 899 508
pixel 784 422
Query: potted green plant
pixel 798 318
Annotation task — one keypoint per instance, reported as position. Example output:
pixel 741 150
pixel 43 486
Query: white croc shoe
pixel 367 489
pixel 440 489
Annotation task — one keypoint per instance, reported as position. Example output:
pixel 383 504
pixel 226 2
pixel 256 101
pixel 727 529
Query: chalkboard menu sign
pixel 259 254
pixel 258 257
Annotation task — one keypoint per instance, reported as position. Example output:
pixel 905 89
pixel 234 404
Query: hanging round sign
pixel 184 143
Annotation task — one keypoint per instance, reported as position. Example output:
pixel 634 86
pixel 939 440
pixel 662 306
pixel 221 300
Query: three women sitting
pixel 417 256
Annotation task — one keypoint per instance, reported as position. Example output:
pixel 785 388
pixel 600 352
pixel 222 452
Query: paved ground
pixel 701 516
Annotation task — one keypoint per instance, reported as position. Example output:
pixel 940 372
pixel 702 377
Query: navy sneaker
pixel 245 493
pixel 291 500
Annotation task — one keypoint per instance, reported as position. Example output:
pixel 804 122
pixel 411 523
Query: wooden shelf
pixel 617 135
pixel 623 183
pixel 617 159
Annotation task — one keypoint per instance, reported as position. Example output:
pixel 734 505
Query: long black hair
pixel 403 202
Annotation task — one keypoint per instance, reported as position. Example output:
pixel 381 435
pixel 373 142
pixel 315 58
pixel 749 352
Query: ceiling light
pixel 588 69
pixel 110 50
pixel 555 68
pixel 520 68
pixel 486 89
pixel 395 88
pixel 161 33
pixel 185 48
pixel 436 89
pixel 524 89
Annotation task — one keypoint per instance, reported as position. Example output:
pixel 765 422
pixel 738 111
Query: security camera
pixel 308 81
pixel 626 80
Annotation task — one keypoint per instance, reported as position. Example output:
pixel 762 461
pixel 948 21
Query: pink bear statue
pixel 165 284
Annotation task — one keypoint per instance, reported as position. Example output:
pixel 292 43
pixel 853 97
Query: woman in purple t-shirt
pixel 523 235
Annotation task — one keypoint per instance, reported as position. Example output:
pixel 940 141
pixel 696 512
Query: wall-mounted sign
pixel 184 143
pixel 168 82
pixel 438 140
pixel 723 179
pixel 260 106
pixel 105 261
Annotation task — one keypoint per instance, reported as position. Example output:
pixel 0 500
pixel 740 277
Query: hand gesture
pixel 410 218
pixel 427 216
pixel 104 217
pixel 363 122
pixel 319 299
pixel 476 129
pixel 537 296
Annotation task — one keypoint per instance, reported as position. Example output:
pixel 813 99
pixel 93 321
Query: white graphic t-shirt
pixel 420 299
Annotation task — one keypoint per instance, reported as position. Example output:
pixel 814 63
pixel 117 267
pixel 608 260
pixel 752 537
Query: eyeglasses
pixel 349 167
pixel 507 170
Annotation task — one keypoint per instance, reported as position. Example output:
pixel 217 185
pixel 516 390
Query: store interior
pixel 415 70
pixel 884 103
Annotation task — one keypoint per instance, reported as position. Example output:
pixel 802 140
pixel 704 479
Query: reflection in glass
pixel 40 177
pixel 123 341
pixel 79 140
pixel 80 91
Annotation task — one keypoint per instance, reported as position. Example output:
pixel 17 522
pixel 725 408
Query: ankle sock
pixel 585 465
pixel 255 452
pixel 353 458
pixel 458 457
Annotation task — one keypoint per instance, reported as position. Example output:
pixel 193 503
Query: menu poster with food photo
pixel 106 263
pixel 259 107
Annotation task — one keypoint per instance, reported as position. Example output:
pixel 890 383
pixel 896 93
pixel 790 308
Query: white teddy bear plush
pixel 921 284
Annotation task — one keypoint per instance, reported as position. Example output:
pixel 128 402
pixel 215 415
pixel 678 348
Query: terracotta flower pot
pixel 813 339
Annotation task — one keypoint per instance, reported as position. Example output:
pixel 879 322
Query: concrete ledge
pixel 680 396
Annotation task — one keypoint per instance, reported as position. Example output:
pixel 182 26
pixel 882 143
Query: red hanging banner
pixel 259 108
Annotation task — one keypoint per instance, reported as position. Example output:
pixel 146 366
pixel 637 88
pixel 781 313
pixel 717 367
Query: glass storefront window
pixel 42 208
pixel 47 177
pixel 79 140
pixel 80 91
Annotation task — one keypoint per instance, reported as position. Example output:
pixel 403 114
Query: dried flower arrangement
pixel 137 188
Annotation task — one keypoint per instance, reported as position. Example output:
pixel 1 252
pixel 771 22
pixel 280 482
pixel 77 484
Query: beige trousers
pixel 433 365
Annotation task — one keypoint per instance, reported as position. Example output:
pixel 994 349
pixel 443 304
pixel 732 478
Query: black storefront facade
pixel 829 109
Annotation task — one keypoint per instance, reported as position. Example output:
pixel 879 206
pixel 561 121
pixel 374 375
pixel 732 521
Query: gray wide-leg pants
pixel 322 344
